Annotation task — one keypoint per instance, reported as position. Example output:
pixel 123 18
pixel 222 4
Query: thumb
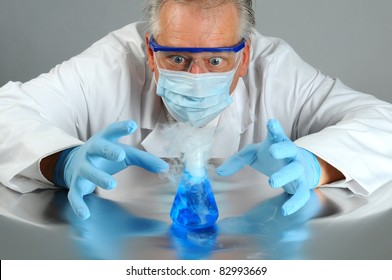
pixel 238 161
pixel 144 160
pixel 77 203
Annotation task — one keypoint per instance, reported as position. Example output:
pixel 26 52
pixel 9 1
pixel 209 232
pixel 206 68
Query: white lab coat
pixel 110 81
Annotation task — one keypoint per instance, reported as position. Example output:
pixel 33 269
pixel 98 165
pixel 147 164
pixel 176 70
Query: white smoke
pixel 192 145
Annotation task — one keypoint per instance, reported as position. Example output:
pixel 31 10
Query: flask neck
pixel 196 172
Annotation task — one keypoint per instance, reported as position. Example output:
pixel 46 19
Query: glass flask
pixel 194 205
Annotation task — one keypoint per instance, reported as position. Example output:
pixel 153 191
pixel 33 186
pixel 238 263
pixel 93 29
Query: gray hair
pixel 244 7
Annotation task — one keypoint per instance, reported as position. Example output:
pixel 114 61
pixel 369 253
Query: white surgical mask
pixel 195 98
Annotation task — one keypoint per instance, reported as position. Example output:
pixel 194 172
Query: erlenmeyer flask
pixel 194 205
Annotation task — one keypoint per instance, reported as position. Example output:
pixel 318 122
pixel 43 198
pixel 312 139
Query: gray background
pixel 349 39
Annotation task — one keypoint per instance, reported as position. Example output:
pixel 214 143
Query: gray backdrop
pixel 349 39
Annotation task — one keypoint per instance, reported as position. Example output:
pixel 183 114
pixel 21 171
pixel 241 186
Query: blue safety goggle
pixel 156 48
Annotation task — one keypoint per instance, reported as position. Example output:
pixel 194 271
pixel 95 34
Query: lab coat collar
pixel 229 126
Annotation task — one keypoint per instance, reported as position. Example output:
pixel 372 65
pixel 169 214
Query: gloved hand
pixel 83 168
pixel 287 165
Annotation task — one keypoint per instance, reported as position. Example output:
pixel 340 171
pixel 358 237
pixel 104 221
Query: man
pixel 198 62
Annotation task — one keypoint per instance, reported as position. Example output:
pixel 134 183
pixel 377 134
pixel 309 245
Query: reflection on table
pixel 132 222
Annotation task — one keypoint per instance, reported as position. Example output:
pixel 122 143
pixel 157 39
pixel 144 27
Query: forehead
pixel 190 25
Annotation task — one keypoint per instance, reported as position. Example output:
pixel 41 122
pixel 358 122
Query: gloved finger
pixel 291 188
pixel 297 201
pixel 77 203
pixel 119 129
pixel 275 131
pixel 144 160
pixel 106 149
pixel 286 174
pixel 238 161
pixel 284 150
pixel 98 177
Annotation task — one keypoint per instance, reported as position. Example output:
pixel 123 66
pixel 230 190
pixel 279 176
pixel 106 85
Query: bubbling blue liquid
pixel 194 205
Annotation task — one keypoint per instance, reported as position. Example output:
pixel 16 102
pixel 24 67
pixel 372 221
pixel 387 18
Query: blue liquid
pixel 194 205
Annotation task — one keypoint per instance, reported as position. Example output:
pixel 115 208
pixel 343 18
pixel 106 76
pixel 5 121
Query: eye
pixel 216 61
pixel 177 59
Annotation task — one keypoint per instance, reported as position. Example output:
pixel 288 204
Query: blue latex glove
pixel 287 165
pixel 92 164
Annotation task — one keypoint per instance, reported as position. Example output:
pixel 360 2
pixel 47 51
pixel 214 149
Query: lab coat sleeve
pixel 66 106
pixel 30 128
pixel 350 130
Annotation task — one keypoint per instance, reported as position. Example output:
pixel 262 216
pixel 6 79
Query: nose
pixel 195 68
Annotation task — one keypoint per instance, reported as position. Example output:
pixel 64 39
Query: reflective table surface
pixel 133 222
